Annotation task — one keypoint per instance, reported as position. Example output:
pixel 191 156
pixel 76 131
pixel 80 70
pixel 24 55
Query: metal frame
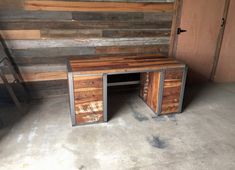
pixel 128 72
pixel 105 96
pixel 71 98
pixel 183 88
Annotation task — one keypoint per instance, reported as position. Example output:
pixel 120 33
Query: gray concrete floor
pixel 202 137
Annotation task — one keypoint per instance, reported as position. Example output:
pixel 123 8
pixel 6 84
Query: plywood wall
pixel 226 66
pixel 42 35
pixel 197 46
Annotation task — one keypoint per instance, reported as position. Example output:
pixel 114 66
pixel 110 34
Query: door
pixel 225 71
pixel 196 47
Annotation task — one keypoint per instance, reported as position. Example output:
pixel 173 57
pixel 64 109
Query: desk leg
pixel 88 99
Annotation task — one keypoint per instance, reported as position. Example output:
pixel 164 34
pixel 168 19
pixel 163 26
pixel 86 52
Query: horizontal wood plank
pixel 92 42
pixel 20 34
pixel 35 15
pixel 73 24
pixel 97 6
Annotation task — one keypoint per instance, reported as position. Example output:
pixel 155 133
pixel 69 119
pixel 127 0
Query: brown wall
pixel 226 66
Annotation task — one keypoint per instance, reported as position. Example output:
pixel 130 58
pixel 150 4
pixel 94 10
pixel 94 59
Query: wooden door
pixel 196 47
pixel 225 71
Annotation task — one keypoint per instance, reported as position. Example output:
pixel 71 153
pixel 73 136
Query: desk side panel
pixel 149 89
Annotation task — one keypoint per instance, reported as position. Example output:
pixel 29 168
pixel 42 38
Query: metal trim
pixel 123 83
pixel 183 89
pixel 161 89
pixel 105 105
pixel 71 98
pixel 128 72
pixel 69 66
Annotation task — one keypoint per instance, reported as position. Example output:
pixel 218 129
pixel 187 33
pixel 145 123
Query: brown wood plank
pixel 41 76
pixel 20 34
pixel 171 91
pixel 97 6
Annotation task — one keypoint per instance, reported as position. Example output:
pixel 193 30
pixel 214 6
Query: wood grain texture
pixel 171 91
pixel 131 63
pixel 88 94
pixel 41 76
pixel 73 24
pixel 21 15
pixel 139 50
pixel 97 6
pixel 70 34
pixel 149 89
pixel 91 42
pixel 136 33
pixel 20 34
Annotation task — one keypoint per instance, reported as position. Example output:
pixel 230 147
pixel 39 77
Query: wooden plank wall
pixel 42 34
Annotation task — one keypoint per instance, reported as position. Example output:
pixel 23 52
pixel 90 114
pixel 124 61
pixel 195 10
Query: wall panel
pixel 42 38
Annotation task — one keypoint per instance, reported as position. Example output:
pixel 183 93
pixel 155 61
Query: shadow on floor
pixel 10 115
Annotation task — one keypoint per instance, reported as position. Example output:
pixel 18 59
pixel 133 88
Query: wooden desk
pixel 162 84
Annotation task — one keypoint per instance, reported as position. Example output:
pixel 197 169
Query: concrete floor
pixel 202 137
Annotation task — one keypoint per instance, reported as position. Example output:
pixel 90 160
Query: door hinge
pixel 223 22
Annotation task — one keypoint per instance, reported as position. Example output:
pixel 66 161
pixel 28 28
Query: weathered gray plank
pixel 24 15
pixel 53 52
pixel 11 4
pixel 92 42
pixel 108 16
pixel 136 33
pixel 40 24
pixel 74 33
pixel 156 16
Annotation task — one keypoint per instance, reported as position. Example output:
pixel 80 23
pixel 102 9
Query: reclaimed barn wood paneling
pixel 41 39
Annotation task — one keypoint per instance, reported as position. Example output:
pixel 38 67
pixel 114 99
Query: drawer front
pixel 171 91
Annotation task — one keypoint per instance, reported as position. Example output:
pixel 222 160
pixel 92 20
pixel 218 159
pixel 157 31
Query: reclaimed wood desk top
pixel 122 64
